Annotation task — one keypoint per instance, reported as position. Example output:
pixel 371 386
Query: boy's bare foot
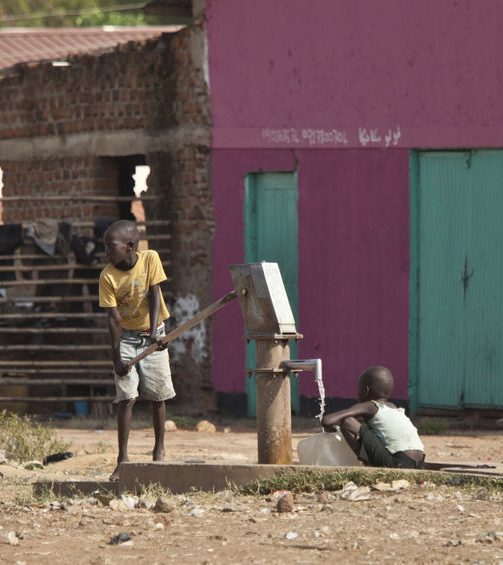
pixel 158 455
pixel 114 477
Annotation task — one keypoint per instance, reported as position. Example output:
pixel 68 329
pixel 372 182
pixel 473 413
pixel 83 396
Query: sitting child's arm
pixel 360 410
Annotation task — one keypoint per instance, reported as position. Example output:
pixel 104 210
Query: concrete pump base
pixel 179 477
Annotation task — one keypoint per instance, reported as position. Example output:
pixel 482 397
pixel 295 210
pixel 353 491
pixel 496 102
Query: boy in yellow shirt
pixel 129 289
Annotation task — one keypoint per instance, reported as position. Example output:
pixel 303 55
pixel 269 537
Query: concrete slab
pixel 181 477
pixel 73 488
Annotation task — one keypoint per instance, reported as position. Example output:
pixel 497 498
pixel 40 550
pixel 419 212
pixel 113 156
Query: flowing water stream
pixel 321 389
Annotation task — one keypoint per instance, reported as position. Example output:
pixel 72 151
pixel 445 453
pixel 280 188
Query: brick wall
pixel 73 178
pixel 139 85
pixel 154 88
pixel 188 206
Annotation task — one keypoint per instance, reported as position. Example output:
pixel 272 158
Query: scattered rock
pixel 285 502
pixel 485 539
pixel 325 497
pixel 148 504
pixel 12 538
pixel 381 487
pixel 482 494
pixel 198 512
pixel 170 426
pixel 206 426
pixel 291 535
pixel 119 539
pixel 162 519
pixel 164 504
pixel 55 457
pixel 55 505
pixel 104 499
pixel 452 543
pixel 400 484
pixel 116 504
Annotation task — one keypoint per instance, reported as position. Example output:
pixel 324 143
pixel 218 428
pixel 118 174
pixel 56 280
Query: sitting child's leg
pixel 372 450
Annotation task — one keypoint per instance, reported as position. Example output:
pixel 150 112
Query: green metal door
pixel 271 234
pixel 456 353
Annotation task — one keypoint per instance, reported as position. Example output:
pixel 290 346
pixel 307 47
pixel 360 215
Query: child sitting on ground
pixel 378 432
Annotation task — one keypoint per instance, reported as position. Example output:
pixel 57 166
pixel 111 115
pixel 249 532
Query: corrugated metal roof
pixel 24 45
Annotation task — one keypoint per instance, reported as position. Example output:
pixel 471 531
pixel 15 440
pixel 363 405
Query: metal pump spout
pixel 309 365
pixel 305 365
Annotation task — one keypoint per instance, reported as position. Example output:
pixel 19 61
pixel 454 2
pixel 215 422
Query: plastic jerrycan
pixel 326 448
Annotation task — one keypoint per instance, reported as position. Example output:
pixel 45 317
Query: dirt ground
pixel 424 523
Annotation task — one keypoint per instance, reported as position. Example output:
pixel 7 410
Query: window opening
pixel 137 209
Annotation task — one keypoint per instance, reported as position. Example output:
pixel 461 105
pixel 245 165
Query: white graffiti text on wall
pixel 312 136
pixel 316 137
pixel 374 136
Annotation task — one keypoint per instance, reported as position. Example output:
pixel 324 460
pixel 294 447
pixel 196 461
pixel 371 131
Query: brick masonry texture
pixel 153 86
pixel 149 85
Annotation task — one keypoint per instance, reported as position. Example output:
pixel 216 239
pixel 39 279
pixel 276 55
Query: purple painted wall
pixel 353 262
pixel 340 91
pixel 353 265
pixel 429 68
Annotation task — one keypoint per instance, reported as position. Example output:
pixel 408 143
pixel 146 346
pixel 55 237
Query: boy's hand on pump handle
pixel 120 368
pixel 157 340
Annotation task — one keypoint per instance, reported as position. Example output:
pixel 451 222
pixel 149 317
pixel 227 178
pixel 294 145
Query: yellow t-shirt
pixel 129 290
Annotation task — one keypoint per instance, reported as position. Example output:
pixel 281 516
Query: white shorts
pixel 150 378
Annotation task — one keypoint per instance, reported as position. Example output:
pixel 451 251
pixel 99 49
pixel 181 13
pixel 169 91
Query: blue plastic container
pixel 81 408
